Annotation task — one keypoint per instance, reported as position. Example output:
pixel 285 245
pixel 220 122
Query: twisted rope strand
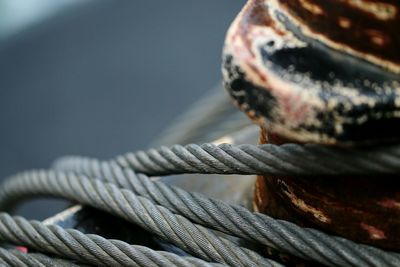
pixel 13 258
pixel 235 220
pixel 288 159
pixel 19 259
pixel 176 229
pixel 90 249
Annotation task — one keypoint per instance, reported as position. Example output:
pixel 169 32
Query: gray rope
pixel 19 259
pixel 305 243
pixel 193 126
pixel 223 159
pixel 47 260
pixel 15 258
pixel 90 249
pixel 289 159
pixel 176 229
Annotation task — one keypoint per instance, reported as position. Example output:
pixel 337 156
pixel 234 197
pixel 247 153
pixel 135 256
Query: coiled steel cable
pixel 305 243
pixel 192 238
pixel 219 159
pixel 89 249
pixel 17 258
pixel 288 159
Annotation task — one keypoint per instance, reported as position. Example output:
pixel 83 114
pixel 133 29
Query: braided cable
pixel 15 258
pixel 176 229
pixel 193 126
pixel 305 243
pixel 288 159
pixel 19 259
pixel 90 249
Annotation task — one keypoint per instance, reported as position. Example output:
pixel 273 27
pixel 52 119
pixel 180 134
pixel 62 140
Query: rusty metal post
pixel 326 72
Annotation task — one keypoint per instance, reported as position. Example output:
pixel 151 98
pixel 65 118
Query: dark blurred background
pixel 100 77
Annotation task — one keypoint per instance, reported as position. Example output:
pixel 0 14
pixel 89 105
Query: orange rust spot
pixel 327 29
pixel 374 233
pixel 382 11
pixel 313 8
pixel 253 14
pixel 263 135
pixel 344 22
pixel 390 204
pixel 302 205
pixel 259 14
pixel 377 37
pixel 258 199
pixel 251 114
pixel 259 73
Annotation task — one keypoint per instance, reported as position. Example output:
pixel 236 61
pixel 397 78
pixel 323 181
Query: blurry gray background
pixel 100 77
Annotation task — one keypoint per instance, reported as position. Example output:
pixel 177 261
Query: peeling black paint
pixel 257 98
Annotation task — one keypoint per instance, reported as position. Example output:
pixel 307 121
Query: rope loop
pixel 188 220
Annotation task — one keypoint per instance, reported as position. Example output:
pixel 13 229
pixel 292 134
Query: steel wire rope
pixel 193 238
pixel 13 257
pixel 246 159
pixel 84 248
pixel 284 236
pixel 268 159
pixel 289 159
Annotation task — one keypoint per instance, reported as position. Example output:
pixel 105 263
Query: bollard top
pixel 309 74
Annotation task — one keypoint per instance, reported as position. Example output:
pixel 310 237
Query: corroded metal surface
pixel 304 89
pixel 325 72
pixel 364 28
pixel 366 211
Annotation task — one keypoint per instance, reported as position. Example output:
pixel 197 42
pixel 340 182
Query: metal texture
pixel 87 249
pixel 234 220
pixel 14 257
pixel 362 28
pixel 304 89
pixel 325 72
pixel 193 238
pixel 306 84
pixel 305 243
pixel 267 159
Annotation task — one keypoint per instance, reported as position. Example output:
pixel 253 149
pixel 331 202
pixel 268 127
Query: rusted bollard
pixel 326 72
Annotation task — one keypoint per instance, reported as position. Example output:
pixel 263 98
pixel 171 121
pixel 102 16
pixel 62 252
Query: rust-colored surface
pixel 365 28
pixel 360 218
pixel 302 88
pixel 363 209
pixel 324 72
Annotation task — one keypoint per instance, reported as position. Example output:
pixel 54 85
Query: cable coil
pixel 188 220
